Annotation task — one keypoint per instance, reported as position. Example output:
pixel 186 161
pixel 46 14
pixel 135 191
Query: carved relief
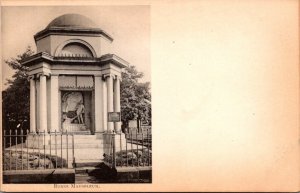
pixel 73 111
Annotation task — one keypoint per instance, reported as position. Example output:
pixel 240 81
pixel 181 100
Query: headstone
pixel 132 124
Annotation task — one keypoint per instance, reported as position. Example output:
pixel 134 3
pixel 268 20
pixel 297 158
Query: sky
pixel 128 25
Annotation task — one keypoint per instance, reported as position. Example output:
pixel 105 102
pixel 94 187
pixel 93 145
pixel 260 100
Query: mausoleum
pixel 74 79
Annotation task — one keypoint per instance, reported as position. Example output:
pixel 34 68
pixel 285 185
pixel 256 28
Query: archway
pixel 75 47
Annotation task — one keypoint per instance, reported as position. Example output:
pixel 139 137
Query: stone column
pixel 117 102
pixel 110 100
pixel 104 105
pixel 32 105
pixel 43 104
pixel 98 104
pixel 54 118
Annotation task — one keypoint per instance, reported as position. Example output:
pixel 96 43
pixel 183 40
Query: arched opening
pixel 76 49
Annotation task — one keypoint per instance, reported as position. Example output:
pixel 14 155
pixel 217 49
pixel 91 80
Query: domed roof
pixel 72 21
pixel 70 24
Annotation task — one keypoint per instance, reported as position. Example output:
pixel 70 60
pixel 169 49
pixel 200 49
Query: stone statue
pixel 79 112
pixel 67 122
pixel 72 110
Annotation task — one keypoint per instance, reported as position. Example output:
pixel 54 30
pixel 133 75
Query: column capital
pixel 31 77
pixel 38 75
pixel 118 77
pixel 108 75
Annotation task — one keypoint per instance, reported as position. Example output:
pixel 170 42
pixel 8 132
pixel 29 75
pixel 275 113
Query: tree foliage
pixel 135 96
pixel 15 99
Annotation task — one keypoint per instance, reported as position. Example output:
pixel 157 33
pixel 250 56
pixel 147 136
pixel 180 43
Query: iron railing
pixel 41 150
pixel 132 149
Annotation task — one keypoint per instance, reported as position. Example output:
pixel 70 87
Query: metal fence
pixel 41 150
pixel 134 149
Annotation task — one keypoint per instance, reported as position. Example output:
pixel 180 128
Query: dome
pixel 72 24
pixel 72 21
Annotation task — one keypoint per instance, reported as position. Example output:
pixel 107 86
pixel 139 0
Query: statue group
pixel 72 108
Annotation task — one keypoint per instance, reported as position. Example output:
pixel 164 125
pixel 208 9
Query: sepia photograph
pixel 148 95
pixel 76 95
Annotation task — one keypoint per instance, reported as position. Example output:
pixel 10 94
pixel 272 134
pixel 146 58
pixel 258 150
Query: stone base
pixel 119 140
pixel 130 174
pixel 37 140
pixel 39 176
pixel 99 135
pixel 74 128
pixel 87 148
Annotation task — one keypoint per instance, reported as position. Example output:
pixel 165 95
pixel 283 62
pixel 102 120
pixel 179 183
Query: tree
pixel 135 97
pixel 15 99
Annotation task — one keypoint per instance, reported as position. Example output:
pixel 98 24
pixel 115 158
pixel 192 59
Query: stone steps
pixel 76 146
pixel 86 169
pixel 88 163
pixel 88 149
pixel 76 138
pixel 91 174
pixel 80 142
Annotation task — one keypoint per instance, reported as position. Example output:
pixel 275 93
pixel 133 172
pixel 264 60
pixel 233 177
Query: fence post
pixel 137 146
pixel 131 148
pixel 67 148
pixel 114 150
pixel 61 155
pixel 55 136
pixel 39 146
pixel 50 136
pixel 16 142
pixel 126 147
pixel 10 149
pixel 44 149
pixel 121 148
pixel 143 149
pixel 22 149
pixel 27 132
pixel 148 141
pixel 4 145
pixel 33 142
pixel 74 164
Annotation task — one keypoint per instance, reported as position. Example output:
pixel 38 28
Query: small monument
pixel 74 79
